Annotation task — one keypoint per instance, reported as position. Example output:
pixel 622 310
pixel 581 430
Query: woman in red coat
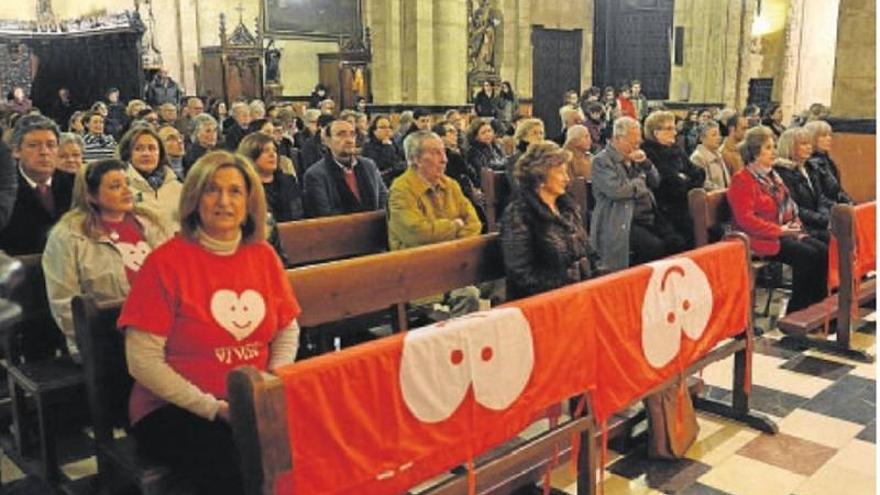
pixel 764 210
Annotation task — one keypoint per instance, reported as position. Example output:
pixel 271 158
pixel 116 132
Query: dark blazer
pixel 814 209
pixel 29 225
pixel 8 183
pixel 284 198
pixel 824 171
pixel 327 194
pixel 543 251
pixel 194 151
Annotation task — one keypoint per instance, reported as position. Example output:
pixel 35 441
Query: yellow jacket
pixel 414 219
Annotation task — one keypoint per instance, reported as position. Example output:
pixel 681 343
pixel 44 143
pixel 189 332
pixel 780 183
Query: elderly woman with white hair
pixel 814 209
pixel 204 139
pixel 708 157
pixel 821 164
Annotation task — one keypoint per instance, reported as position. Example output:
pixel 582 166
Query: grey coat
pixel 615 193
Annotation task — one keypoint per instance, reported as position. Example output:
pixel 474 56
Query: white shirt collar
pixel 32 183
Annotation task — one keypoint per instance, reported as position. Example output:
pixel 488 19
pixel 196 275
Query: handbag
pixel 672 422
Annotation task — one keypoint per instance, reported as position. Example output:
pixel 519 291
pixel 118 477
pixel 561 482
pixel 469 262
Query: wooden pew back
pixel 108 386
pixel 330 238
pixel 35 336
pixel 711 214
pixel 343 289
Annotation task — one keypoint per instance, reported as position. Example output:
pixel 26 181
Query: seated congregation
pixel 181 216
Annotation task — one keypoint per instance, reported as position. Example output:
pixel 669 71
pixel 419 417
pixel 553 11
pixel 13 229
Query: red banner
pixel 865 259
pixel 382 417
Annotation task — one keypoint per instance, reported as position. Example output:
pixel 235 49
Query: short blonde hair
pixel 789 140
pixel 525 126
pixel 197 180
pixel 817 129
pixel 655 121
pixel 534 165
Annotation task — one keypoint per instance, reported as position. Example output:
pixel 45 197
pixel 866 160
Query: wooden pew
pixel 343 289
pixel 711 216
pixel 39 371
pixel 373 282
pixel 330 238
pixel 329 292
pixel 837 306
pixel 108 386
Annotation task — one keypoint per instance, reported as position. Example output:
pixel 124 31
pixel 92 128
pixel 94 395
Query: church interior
pixel 758 379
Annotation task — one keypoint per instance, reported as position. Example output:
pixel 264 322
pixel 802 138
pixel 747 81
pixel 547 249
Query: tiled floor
pixel 823 404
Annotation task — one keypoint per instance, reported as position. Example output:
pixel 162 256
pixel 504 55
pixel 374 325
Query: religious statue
pixel 483 36
pixel 273 61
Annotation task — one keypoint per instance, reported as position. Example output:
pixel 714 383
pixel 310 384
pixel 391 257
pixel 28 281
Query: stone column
pixel 383 17
pixel 855 84
pixel 450 52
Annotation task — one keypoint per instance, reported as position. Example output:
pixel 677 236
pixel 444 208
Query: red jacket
pixel 627 109
pixel 755 213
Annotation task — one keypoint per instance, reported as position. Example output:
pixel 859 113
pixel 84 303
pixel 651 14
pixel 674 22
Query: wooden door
pixel 631 41
pixel 556 68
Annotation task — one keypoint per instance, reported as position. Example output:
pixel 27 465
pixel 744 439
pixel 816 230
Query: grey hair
pixel 750 147
pixel 622 126
pixel 70 137
pixel 311 115
pixel 31 123
pixel 201 120
pixel 707 126
pixel 575 132
pixel 257 107
pixel 412 145
pixel 789 139
pixel 239 105
pixel 406 118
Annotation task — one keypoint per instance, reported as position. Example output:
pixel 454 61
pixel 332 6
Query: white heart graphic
pixel 493 350
pixel 238 315
pixel 133 255
pixel 678 300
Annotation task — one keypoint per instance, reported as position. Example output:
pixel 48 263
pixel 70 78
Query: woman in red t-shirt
pixel 211 299
pixel 98 246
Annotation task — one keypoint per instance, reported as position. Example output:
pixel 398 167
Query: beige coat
pixel 74 264
pixel 164 202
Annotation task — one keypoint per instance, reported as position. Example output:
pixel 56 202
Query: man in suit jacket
pixel 43 193
pixel 342 183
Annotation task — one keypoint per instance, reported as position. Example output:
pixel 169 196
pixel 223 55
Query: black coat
pixel 814 209
pixel 824 171
pixel 543 251
pixel 284 198
pixel 677 176
pixel 387 159
pixel 29 225
pixel 233 135
pixel 193 152
pixel 485 105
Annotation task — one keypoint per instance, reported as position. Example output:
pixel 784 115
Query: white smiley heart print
pixel 133 255
pixel 493 350
pixel 238 315
pixel 502 358
pixel 678 300
pixel 434 371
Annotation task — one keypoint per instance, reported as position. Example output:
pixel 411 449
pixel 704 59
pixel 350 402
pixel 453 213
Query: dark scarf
pixel 155 178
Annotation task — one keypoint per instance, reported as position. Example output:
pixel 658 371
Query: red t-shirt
pixel 216 312
pixel 129 240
